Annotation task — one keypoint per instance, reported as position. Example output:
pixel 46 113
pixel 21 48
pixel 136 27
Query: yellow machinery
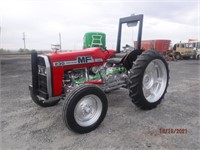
pixel 184 50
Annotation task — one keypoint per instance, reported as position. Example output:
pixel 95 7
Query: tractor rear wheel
pixel 85 108
pixel 149 78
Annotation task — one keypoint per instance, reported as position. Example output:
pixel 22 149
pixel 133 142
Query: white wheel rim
pixel 154 80
pixel 88 110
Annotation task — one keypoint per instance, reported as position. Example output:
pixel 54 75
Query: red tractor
pixel 81 79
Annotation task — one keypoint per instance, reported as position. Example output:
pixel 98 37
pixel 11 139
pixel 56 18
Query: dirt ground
pixel 24 125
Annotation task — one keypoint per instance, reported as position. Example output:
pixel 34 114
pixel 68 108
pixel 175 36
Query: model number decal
pixel 79 60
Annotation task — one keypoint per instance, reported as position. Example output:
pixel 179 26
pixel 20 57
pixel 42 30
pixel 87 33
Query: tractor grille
pixel 42 79
pixel 42 83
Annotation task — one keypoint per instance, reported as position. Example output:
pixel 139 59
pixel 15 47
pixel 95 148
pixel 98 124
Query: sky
pixel 43 20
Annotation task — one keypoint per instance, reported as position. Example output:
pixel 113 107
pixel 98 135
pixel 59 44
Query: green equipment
pixel 94 39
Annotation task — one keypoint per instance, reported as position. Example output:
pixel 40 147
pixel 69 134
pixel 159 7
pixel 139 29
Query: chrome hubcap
pixel 154 80
pixel 88 110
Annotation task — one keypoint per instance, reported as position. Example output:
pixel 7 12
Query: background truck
pixel 184 50
pixel 196 48
pixel 163 46
pixel 160 45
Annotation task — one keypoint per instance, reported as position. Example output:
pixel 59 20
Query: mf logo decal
pixel 85 59
pixel 79 60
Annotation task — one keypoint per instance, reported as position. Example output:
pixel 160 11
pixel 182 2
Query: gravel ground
pixel 24 125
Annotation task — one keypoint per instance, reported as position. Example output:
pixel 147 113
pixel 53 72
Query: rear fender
pixel 128 60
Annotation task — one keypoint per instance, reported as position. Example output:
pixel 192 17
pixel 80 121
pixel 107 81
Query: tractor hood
pixel 80 57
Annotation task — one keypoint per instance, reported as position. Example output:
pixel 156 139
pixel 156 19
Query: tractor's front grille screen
pixel 42 79
pixel 42 83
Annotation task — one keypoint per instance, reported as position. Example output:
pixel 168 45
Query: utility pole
pixel 0 37
pixel 24 39
pixel 60 40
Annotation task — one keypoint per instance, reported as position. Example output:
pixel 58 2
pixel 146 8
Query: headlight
pixel 42 70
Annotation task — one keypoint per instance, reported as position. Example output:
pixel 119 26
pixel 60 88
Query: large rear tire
pixel 85 108
pixel 149 78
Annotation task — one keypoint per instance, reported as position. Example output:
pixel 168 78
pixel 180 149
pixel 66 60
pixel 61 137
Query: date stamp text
pixel 173 131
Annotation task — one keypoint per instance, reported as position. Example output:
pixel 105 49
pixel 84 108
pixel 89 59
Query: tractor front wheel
pixel 149 78
pixel 85 108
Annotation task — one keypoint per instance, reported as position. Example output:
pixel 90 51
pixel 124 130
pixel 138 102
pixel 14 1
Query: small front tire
pixel 85 108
